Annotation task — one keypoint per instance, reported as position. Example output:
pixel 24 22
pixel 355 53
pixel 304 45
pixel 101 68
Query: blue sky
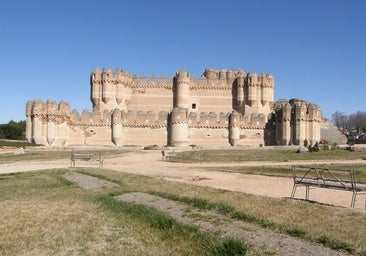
pixel 316 50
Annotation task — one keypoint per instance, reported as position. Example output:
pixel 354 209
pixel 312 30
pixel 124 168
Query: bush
pixel 13 130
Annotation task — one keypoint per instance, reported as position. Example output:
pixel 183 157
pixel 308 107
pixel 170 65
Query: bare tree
pixel 341 120
pixel 358 121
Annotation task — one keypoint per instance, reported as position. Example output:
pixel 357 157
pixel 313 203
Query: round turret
pixel 222 74
pixel 107 86
pixel 28 107
pixel 210 73
pixel 234 128
pixel 181 89
pixel 95 86
pixel 178 128
pixel 37 107
pixel 28 114
pixel 117 127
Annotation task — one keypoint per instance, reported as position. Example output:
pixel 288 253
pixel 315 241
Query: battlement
pixel 212 77
pixel 160 119
pixel 128 79
pixel 297 109
pixel 50 107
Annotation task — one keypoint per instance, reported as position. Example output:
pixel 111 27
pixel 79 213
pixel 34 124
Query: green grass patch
pixel 46 155
pixel 42 205
pixel 206 243
pixel 334 244
pixel 17 144
pixel 277 155
pixel 281 171
pixel 265 223
pixel 315 220
pixel 47 215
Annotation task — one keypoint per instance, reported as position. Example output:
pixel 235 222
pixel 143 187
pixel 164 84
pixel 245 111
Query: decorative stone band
pixel 183 82
pixel 88 125
pixel 152 86
pixel 207 88
pixel 179 122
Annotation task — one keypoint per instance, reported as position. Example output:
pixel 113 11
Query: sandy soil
pixel 149 163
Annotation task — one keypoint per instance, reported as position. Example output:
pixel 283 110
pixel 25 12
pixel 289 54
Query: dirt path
pixel 264 241
pixel 149 163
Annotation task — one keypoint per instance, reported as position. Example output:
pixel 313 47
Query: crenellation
pixel 86 116
pixel 229 107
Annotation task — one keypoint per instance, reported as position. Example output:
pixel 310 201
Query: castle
pixel 222 108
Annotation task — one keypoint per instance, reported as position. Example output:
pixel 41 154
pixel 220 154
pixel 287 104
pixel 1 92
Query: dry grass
pixel 286 171
pixel 276 155
pixel 44 154
pixel 43 214
pixel 341 225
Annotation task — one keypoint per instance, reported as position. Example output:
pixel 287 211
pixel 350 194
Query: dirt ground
pixel 149 163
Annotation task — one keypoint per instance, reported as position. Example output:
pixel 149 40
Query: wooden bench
pixel 87 157
pixel 326 178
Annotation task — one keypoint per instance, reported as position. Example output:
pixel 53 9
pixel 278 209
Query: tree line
pixel 13 130
pixel 350 123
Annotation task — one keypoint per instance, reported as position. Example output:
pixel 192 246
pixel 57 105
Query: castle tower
pixel 240 94
pixel 28 114
pixel 118 76
pixel 253 97
pixel 222 78
pixel 314 119
pixel 299 123
pixel 267 84
pixel 181 90
pixel 62 127
pixel 37 123
pixel 108 92
pixel 96 89
pixel 234 128
pixel 117 127
pixel 283 124
pixel 178 136
pixel 51 108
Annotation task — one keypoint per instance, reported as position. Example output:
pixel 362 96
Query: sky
pixel 315 49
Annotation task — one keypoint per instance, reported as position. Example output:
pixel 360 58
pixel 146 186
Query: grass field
pixel 280 171
pixel 44 154
pixel 276 155
pixel 43 214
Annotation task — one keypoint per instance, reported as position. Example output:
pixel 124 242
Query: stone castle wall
pixel 222 108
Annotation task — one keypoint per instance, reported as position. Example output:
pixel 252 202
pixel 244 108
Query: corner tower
pixel 181 89
pixel 178 117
